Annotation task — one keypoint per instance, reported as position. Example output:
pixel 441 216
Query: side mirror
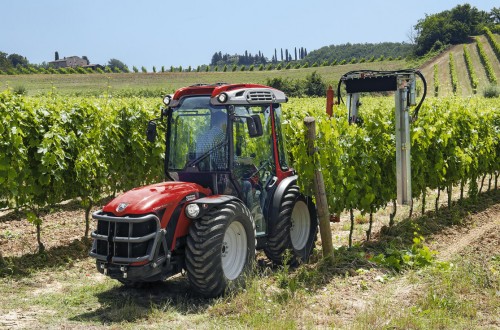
pixel 254 126
pixel 151 131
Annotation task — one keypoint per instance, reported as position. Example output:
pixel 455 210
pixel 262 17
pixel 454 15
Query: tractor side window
pixel 280 128
pixel 211 144
pixel 253 160
pixel 198 136
pixel 186 127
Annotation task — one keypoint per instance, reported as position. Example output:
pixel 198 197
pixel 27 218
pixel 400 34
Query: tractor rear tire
pixel 220 249
pixel 295 229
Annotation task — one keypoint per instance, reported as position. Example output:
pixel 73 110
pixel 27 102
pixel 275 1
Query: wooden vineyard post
pixel 319 192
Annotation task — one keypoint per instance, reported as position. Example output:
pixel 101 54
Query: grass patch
pixel 462 295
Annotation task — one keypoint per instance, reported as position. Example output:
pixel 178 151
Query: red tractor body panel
pixel 212 90
pixel 155 197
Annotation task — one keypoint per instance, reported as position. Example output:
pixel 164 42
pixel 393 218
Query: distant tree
pixel 154 69
pixel 314 85
pixel 144 70
pixel 56 56
pixel 86 59
pixel 17 60
pixel 135 69
pixel 162 68
pixel 495 15
pixel 4 62
pixel 296 53
pixel 114 63
pixel 450 27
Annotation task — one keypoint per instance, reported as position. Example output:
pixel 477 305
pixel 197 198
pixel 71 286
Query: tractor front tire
pixel 295 229
pixel 220 249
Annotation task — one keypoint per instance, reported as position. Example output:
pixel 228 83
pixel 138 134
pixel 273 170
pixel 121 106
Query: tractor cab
pixel 227 138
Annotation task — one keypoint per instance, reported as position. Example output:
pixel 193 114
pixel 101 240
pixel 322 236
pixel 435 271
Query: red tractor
pixel 229 190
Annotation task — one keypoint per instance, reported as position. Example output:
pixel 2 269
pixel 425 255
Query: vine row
pixel 453 74
pixel 470 69
pixel 486 62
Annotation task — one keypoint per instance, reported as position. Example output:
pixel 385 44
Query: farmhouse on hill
pixel 69 62
pixel 74 62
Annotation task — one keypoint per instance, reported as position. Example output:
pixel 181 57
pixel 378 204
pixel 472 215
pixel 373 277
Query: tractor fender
pixel 208 203
pixel 277 198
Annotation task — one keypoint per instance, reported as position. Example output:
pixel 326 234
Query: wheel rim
pixel 234 250
pixel 301 225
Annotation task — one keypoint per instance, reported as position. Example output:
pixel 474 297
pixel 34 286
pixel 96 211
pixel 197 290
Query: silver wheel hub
pixel 234 250
pixel 300 226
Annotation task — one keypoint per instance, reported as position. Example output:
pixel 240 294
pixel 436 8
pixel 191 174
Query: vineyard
pixel 80 150
pixel 465 69
pixel 55 149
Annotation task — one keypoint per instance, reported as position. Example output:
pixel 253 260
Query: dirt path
pixel 486 227
pixel 340 302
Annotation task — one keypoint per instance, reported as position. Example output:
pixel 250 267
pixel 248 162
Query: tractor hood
pixel 149 199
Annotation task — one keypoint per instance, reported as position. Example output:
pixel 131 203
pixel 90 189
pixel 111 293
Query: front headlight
pixel 192 211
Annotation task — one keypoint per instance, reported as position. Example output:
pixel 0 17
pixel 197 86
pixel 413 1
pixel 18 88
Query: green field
pixel 154 84
pixel 94 84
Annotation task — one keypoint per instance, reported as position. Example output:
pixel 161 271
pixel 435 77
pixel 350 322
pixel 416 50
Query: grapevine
pixel 470 70
pixel 486 62
pixel 56 148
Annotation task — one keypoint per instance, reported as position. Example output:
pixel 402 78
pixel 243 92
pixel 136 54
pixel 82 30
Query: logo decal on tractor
pixel 121 207
pixel 190 197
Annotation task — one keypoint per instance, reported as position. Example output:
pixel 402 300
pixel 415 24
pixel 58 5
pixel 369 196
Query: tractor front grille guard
pixel 127 240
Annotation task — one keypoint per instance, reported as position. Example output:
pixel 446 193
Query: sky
pixel 187 33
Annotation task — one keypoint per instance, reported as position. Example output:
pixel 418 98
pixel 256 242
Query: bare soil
pixel 339 302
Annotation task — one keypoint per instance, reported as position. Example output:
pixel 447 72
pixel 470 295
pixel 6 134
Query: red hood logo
pixel 121 207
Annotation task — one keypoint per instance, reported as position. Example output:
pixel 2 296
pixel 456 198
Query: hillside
pixel 464 82
pixel 154 84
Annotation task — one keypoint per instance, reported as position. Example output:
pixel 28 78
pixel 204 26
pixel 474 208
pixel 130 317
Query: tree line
pixel 219 59
pixel 452 27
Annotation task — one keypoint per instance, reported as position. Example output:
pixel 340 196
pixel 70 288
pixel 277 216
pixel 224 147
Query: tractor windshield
pixel 198 136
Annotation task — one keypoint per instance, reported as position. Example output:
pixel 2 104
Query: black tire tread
pixel 279 240
pixel 203 261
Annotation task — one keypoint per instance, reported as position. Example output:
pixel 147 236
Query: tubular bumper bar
pixel 110 239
